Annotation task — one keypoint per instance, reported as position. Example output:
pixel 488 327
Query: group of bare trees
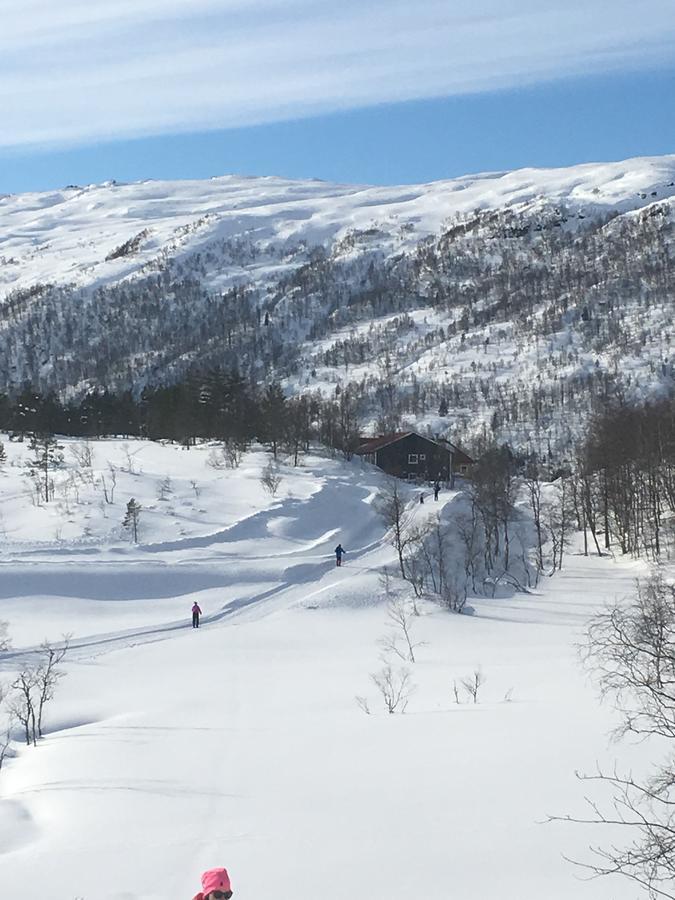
pixel 23 702
pixel 625 478
pixel 489 541
pixel 631 650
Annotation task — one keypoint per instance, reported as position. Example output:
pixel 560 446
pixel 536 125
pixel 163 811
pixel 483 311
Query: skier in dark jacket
pixel 196 613
pixel 339 552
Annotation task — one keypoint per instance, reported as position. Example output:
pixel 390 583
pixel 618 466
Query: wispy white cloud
pixel 81 70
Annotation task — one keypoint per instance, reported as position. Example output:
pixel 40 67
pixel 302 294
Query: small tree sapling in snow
pixel 473 684
pixel 132 519
pixel 399 640
pixel 395 687
pixel 22 705
pixel 48 675
pixel 165 489
pixel 131 466
pixel 109 487
pixel 391 505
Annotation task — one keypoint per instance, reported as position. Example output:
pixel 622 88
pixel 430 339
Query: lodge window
pixel 412 459
pixel 463 469
pixel 423 457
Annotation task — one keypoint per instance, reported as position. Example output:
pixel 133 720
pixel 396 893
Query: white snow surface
pixel 172 750
pixel 64 236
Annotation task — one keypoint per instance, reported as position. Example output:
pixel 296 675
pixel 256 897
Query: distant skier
pixel 422 497
pixel 339 553
pixel 437 490
pixel 215 886
pixel 196 613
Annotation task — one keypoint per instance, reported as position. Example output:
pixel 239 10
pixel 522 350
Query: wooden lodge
pixel 409 455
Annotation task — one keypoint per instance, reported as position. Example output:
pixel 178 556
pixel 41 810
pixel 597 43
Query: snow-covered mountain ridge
pixel 71 236
pixel 517 300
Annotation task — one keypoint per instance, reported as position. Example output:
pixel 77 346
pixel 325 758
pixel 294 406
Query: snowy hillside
pixel 516 300
pixel 171 750
pixel 71 236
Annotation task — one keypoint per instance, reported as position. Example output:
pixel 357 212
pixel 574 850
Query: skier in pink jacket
pixel 196 613
pixel 215 886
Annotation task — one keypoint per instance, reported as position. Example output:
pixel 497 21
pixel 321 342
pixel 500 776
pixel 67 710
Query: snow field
pixel 173 750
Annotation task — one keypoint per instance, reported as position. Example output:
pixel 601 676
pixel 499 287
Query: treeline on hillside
pixel 625 478
pixel 532 277
pixel 218 405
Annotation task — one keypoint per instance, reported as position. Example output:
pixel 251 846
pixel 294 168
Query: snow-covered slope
pixel 516 300
pixel 65 236
pixel 170 751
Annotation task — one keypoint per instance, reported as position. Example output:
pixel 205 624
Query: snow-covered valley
pixel 171 750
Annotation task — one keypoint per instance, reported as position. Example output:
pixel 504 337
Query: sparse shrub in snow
pixel 165 489
pixel 82 453
pixel 454 593
pixel 3 454
pixel 271 478
pixel 473 683
pixel 216 458
pixel 233 452
pixel 229 456
pixel 395 687
pixel 401 622
pixel 131 466
pixel 362 703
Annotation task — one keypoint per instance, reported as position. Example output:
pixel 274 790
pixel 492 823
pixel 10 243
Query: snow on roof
pixel 370 445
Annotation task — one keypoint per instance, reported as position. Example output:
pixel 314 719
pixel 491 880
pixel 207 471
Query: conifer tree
pixel 132 519
pixel 48 455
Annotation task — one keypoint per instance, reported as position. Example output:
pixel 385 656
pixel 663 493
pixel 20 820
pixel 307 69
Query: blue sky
pixel 376 91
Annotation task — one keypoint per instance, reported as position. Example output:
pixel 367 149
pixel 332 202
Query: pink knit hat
pixel 215 880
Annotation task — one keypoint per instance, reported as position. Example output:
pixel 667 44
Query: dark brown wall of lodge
pixel 395 459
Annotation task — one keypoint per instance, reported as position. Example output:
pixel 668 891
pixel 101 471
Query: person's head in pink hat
pixel 215 886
